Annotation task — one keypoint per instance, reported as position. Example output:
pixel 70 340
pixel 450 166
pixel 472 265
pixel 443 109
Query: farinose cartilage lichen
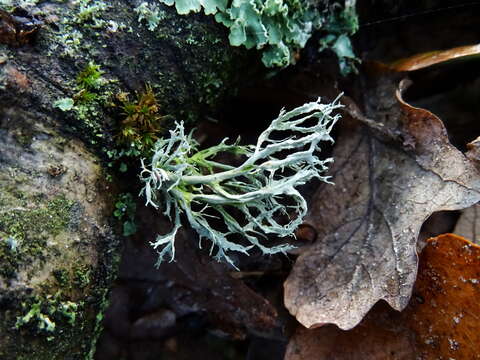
pixel 181 179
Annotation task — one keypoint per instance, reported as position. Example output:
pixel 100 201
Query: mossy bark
pixel 187 60
pixel 58 249
pixel 58 253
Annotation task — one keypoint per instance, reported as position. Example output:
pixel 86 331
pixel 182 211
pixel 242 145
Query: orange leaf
pixel 447 323
pixel 440 322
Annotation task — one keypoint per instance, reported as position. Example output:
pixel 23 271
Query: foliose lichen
pixel 279 28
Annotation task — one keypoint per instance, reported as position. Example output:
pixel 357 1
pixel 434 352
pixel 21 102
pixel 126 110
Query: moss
pixel 142 124
pixel 125 209
pixel 61 276
pixel 81 276
pixel 93 95
pixel 187 60
pixel 90 78
pixel 41 315
pixel 63 319
pixel 45 218
pixel 212 72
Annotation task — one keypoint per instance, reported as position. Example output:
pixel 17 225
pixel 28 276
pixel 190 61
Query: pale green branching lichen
pixel 262 191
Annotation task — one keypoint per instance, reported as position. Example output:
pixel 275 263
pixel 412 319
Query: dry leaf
pixel 468 224
pixel 441 321
pixel 368 223
pixel 446 319
pixel 424 60
pixel 380 336
pixel 473 152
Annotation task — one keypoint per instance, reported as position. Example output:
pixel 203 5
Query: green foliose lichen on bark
pixel 278 28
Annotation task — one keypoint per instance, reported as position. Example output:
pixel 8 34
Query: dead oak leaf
pixel 468 224
pixel 428 59
pixel 382 335
pixel 368 223
pixel 445 320
pixel 440 322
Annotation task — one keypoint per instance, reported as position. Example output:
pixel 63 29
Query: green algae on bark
pixel 58 252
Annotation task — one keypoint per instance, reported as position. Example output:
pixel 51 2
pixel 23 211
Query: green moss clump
pixel 81 277
pixel 90 78
pixel 57 318
pixel 49 218
pixel 187 61
pixel 211 71
pixel 61 276
pixel 52 320
pixel 125 209
pixel 93 94
pixel 143 121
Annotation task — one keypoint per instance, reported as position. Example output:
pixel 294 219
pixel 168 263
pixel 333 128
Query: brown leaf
pixel 446 320
pixel 368 223
pixel 424 60
pixel 441 321
pixel 468 224
pixel 380 336
pixel 473 152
